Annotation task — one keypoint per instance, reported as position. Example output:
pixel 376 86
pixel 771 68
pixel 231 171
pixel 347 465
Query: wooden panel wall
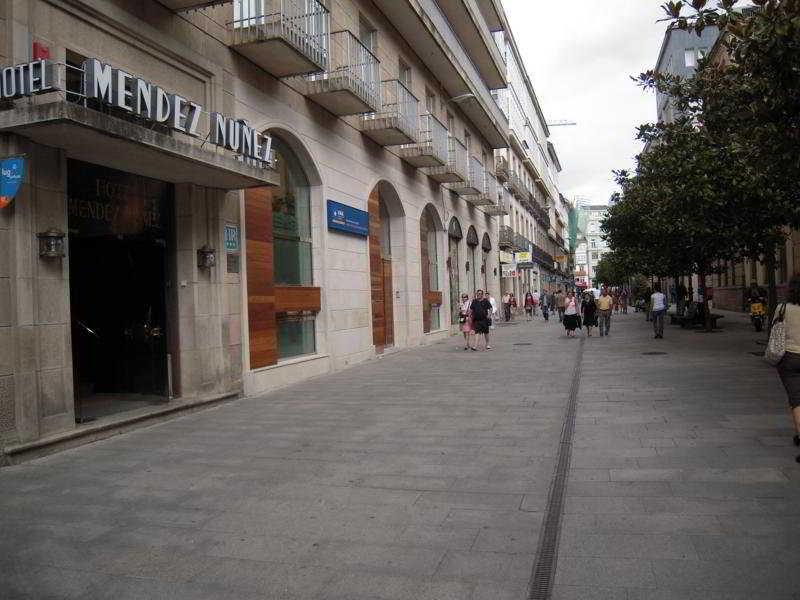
pixel 381 290
pixel 295 298
pixel 260 278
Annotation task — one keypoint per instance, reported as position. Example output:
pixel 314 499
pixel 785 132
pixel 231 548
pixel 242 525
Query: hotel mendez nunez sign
pixel 116 88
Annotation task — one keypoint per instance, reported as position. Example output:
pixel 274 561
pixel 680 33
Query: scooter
pixel 757 315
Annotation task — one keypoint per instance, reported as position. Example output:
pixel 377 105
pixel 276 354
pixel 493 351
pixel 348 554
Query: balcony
pixel 502 169
pixel 432 148
pixel 181 5
pixel 455 170
pixel 497 209
pixel 351 85
pixel 473 31
pixel 473 185
pixel 283 37
pixel 397 122
pixel 516 185
pixel 424 25
pixel 506 239
pixel 521 243
pixel 488 194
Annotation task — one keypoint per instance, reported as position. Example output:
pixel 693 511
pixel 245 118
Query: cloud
pixel 580 55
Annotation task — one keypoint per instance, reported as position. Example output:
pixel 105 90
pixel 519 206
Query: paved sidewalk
pixel 424 475
pixel 683 483
pixel 421 475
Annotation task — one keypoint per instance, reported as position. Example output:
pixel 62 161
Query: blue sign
pixel 347 219
pixel 232 243
pixel 12 170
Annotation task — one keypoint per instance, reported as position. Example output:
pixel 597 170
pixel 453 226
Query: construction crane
pixel 561 123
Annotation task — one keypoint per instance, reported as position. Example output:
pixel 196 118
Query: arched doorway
pixel 385 233
pixel 282 302
pixel 454 237
pixel 486 246
pixel 472 266
pixel 429 227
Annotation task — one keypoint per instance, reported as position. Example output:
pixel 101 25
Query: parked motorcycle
pixel 758 315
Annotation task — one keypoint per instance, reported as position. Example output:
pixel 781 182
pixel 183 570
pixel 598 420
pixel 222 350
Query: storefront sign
pixel 119 89
pixel 347 219
pixel 232 243
pixel 28 79
pixel 522 257
pixel 12 171
pixel 506 257
pixel 522 266
pixel 509 270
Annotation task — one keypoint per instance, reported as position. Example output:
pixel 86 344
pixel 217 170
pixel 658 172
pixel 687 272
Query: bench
pixel 695 320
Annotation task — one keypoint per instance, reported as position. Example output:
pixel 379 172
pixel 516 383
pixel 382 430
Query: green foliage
pixel 613 269
pixel 722 182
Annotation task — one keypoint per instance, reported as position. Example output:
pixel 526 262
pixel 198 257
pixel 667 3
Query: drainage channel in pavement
pixel 544 568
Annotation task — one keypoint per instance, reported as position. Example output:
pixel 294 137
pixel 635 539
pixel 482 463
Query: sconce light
pixel 51 243
pixel 467 265
pixel 495 271
pixel 483 269
pixel 206 257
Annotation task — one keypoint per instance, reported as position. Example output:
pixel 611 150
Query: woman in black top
pixel 479 311
pixel 589 309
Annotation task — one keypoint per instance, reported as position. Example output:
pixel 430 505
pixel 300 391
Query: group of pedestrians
pixel 475 319
pixel 589 312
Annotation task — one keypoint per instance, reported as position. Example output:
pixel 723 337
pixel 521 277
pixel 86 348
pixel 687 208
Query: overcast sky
pixel 580 55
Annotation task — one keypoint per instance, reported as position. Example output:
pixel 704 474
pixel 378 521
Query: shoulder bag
pixel 776 347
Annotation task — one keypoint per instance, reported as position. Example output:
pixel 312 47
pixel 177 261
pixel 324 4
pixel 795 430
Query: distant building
pixel 679 55
pixel 592 247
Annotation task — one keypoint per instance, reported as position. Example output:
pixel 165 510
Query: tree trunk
pixel 772 289
pixel 701 285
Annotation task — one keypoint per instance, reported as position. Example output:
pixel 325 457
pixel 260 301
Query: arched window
pixel 429 252
pixel 291 219
pixel 454 238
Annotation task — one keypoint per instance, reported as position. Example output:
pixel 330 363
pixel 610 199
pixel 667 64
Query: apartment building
pixel 222 198
pixel 592 246
pixel 533 219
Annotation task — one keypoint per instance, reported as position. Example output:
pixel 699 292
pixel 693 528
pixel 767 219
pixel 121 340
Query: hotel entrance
pixel 120 239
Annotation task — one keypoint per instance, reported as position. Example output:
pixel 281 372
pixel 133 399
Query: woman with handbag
pixel 785 339
pixel 464 319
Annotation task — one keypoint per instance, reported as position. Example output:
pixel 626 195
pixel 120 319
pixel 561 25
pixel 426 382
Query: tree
pixel 746 100
pixel 613 269
pixel 676 214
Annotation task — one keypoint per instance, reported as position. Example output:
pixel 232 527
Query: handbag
pixel 776 346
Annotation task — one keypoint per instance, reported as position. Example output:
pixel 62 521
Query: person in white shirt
pixel 493 302
pixel 659 303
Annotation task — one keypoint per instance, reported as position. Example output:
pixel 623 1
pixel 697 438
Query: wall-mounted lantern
pixel 495 271
pixel 206 257
pixel 467 265
pixel 483 269
pixel 51 243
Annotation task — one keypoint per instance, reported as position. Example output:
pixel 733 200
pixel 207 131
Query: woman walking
pixel 464 319
pixel 572 320
pixel 529 306
pixel 789 367
pixel 589 309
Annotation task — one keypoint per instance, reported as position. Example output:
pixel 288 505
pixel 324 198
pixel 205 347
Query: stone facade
pixel 189 53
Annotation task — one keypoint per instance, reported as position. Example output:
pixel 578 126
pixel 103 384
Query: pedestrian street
pixel 426 474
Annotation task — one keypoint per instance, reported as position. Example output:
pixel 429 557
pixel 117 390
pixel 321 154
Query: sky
pixel 580 55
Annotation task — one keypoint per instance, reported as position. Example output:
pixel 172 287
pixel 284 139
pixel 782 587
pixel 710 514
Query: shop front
pixel 122 297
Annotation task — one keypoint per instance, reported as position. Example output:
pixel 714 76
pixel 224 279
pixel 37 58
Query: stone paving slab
pixel 425 475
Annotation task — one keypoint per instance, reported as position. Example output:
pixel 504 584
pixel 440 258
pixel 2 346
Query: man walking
pixel 560 304
pixel 605 304
pixel 660 305
pixel 506 301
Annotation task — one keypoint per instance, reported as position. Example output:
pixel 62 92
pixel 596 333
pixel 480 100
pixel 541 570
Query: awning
pixel 102 139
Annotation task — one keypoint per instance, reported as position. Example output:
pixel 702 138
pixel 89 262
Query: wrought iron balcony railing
pixel 284 37
pixel 456 169
pixel 397 122
pixel 431 149
pixel 351 84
